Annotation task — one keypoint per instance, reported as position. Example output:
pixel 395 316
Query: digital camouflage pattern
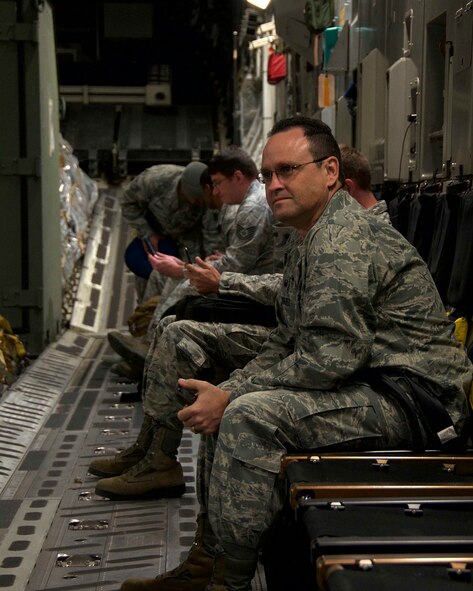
pixel 249 239
pixel 261 288
pixel 190 349
pixel 264 288
pixel 212 238
pixel 237 343
pixel 354 295
pixel 154 193
pixel 238 472
pixel 358 296
pixel 162 285
pixel 381 208
pixel 249 243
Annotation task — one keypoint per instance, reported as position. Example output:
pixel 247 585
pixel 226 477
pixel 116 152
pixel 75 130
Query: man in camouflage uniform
pixel 167 200
pixel 249 240
pixel 355 297
pixel 251 249
pixel 168 272
pixel 248 236
pixel 183 347
pixel 357 174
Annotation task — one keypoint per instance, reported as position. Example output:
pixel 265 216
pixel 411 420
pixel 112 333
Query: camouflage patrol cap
pixel 190 180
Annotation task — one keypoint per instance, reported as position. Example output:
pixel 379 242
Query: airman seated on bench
pixel 355 296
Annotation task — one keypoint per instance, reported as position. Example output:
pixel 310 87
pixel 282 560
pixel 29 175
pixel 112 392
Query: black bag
pixel 422 408
pixel 225 308
pixel 319 15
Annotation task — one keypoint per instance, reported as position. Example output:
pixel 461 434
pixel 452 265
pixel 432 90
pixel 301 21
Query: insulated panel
pixel 462 123
pixel 371 103
pixel 401 126
pixel 435 84
pixel 344 123
pixel 29 174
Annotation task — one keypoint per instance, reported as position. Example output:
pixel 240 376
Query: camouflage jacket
pixel 247 231
pixel 249 241
pixel 356 295
pixel 264 288
pixel 381 208
pixel 150 205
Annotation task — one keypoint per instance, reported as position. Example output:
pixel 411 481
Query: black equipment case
pixel 335 476
pixel 388 526
pixel 451 572
pixel 365 498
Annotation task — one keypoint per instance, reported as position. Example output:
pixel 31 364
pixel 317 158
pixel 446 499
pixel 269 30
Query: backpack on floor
pixel 143 313
pixel 12 353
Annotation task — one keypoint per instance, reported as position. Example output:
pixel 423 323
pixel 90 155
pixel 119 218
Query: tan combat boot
pixel 123 460
pixel 192 575
pixel 134 373
pixel 132 349
pixel 233 573
pixel 157 475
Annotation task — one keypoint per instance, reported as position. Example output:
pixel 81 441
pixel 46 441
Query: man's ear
pixel 238 175
pixel 349 185
pixel 332 168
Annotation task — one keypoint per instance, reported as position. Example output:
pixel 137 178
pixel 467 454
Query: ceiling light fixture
pixel 263 4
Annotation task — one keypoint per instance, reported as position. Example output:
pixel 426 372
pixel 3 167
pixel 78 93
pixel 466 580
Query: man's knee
pixel 175 330
pixel 250 421
pixel 242 409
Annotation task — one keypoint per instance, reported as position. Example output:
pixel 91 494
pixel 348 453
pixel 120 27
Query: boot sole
pixel 133 375
pixel 101 474
pixel 170 492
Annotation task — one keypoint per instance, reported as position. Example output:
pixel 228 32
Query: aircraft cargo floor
pixel 67 407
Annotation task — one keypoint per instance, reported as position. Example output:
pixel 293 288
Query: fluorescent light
pixel 263 4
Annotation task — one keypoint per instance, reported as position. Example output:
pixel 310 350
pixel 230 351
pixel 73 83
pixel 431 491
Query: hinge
pixel 22 298
pixel 19 32
pixel 20 167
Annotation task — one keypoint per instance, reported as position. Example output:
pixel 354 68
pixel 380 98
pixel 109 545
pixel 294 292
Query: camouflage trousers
pixel 173 291
pixel 158 284
pixel 238 470
pixel 189 349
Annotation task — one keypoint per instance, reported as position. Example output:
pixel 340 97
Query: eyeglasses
pixel 284 171
pixel 216 184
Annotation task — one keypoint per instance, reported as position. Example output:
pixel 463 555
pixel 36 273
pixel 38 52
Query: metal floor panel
pixel 100 301
pixel 55 533
pixel 89 542
pixel 23 541
pixel 29 402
